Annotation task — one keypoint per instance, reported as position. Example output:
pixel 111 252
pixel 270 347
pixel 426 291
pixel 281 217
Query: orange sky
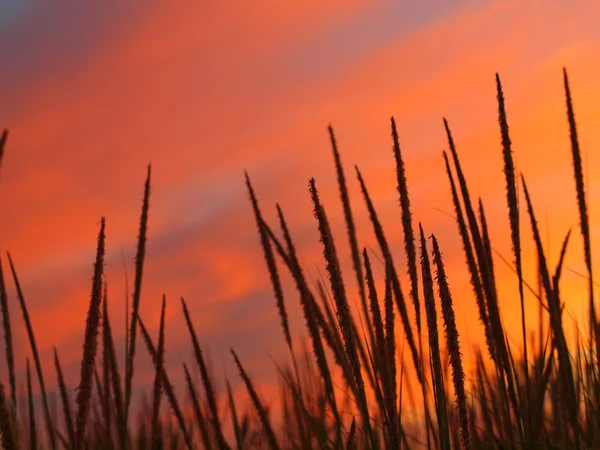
pixel 92 94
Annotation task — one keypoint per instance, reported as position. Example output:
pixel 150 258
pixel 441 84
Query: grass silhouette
pixel 545 396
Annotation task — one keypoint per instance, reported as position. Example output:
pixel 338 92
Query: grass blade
pixel 208 385
pixel 262 412
pixel 36 355
pixel 269 258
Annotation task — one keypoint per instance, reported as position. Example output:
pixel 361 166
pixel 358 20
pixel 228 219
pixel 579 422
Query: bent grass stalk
pixel 36 356
pixel 206 380
pixel 200 421
pixel 351 228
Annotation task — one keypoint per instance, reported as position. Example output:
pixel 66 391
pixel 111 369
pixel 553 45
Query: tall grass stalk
pixel 399 297
pixel 513 207
pixel 471 262
pixel 270 259
pixel 583 214
pixel 342 306
pixel 434 347
pixel 483 268
pixel 411 257
pixel 489 288
pixel 137 292
pixel 409 238
pixel 382 362
pixel 452 344
pixel 351 228
pixel 90 345
pixel 313 320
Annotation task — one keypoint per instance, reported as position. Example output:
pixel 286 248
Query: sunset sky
pixel 91 92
